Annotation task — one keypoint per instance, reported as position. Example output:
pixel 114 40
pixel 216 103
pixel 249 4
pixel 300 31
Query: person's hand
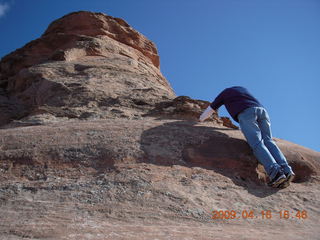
pixel 206 114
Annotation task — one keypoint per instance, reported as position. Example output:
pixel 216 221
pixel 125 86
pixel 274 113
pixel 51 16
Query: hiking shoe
pixel 289 178
pixel 277 180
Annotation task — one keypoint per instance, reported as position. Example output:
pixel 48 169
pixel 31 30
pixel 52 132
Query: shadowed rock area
pixel 94 144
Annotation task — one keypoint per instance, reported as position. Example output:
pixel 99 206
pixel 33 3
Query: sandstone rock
pixel 99 24
pixel 169 172
pixel 184 107
pixel 85 64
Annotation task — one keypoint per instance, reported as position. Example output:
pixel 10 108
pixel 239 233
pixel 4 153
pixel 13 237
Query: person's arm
pixel 206 114
pixel 218 102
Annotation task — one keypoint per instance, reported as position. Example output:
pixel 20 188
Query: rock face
pixel 94 144
pixel 86 65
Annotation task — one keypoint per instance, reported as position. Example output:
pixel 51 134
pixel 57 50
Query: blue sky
pixel 272 47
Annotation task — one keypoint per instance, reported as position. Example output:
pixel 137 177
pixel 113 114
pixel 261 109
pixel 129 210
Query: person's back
pixel 235 99
pixel 255 125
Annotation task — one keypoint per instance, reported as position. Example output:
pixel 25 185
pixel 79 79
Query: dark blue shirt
pixel 235 99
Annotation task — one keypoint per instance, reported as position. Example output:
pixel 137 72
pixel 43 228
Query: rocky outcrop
pixel 86 65
pixel 77 35
pixel 95 144
pixel 101 25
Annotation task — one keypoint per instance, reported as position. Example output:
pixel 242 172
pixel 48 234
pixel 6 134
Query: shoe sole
pixel 279 182
pixel 284 184
pixel 287 182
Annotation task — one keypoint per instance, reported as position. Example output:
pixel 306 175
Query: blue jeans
pixel 255 126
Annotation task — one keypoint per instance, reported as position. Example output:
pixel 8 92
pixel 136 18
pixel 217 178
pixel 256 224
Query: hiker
pixel 255 125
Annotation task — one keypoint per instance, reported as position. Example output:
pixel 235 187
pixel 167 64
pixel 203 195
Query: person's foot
pixel 277 180
pixel 289 178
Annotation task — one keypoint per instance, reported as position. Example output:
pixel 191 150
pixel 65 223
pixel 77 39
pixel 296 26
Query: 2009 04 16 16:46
pixel 264 214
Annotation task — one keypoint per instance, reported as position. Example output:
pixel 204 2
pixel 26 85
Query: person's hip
pixel 253 112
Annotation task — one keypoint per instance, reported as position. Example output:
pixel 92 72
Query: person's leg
pixel 264 125
pixel 250 129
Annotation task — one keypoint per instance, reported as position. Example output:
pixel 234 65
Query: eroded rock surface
pixel 86 65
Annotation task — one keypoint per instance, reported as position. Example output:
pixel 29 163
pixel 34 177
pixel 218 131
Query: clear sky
pixel 272 47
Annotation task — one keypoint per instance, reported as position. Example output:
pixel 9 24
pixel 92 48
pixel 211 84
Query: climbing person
pixel 254 122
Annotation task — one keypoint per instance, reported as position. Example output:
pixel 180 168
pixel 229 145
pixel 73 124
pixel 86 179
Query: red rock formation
pixel 92 64
pixel 100 25
pixel 70 38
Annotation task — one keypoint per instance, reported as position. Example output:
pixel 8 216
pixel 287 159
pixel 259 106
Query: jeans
pixel 255 126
